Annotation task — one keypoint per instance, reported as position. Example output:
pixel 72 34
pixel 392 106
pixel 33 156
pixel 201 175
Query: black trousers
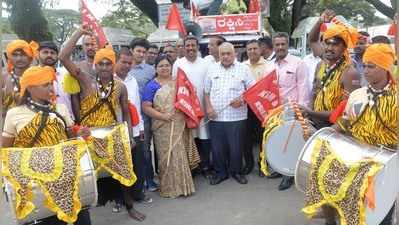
pixel 204 147
pixel 227 144
pixel 253 135
pixel 83 219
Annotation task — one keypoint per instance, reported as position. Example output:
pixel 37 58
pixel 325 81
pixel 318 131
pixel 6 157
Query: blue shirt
pixel 143 73
pixel 149 91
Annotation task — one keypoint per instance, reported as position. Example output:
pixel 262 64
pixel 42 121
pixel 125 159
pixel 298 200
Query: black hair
pixel 252 42
pixel 48 44
pixel 190 37
pixel 139 42
pixel 380 39
pixel 123 51
pixel 220 39
pixel 266 41
pixel 161 58
pixel 153 46
pixel 281 35
pixel 364 33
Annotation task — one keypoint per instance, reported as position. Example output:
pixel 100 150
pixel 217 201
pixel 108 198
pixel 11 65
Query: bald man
pixel 224 85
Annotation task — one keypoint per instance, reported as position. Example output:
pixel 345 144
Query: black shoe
pixel 286 183
pixel 274 175
pixel 240 178
pixel 247 170
pixel 217 180
pixel 207 173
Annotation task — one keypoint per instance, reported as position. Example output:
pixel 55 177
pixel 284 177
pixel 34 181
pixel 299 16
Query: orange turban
pixel 349 35
pixel 30 50
pixel 381 55
pixel 105 53
pixel 36 75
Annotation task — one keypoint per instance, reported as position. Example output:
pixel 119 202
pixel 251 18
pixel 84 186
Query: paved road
pixel 229 203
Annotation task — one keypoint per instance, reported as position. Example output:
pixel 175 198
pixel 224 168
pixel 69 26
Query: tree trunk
pixel 297 13
pixel 382 8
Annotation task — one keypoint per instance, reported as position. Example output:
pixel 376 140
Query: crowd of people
pixel 40 111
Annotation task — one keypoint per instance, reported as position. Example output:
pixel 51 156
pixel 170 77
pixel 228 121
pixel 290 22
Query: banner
pixel 175 21
pixel 187 101
pixel 263 96
pixel 88 18
pixel 237 23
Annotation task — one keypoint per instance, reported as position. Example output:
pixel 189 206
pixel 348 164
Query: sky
pixel 100 7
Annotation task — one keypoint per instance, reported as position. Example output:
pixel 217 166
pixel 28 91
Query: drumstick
pixel 289 137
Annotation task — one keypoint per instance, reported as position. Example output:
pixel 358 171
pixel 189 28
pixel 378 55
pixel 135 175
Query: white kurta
pixel 196 73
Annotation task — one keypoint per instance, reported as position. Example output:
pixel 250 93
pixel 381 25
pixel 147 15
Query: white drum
pixel 386 183
pixel 87 194
pixel 285 142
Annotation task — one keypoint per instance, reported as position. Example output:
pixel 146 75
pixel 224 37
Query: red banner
pixel 187 101
pixel 88 18
pixel 263 96
pixel 175 21
pixel 240 23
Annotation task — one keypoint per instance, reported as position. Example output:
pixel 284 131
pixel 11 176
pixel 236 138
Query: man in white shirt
pixel 195 68
pixel 213 48
pixel 122 68
pixel 311 60
pixel 224 85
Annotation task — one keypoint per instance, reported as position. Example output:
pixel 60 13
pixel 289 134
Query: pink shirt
pixel 292 76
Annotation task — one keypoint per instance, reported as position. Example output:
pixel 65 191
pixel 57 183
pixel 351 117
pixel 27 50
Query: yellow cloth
pixel 362 122
pixel 105 53
pixel 329 96
pixel 70 84
pixel 346 191
pixel 381 55
pixel 103 115
pixel 30 50
pixel 55 170
pixel 36 75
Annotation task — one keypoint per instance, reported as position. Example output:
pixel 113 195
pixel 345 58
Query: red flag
pixel 88 18
pixel 254 6
pixel 174 21
pixel 263 96
pixel 194 11
pixel 392 30
pixel 187 101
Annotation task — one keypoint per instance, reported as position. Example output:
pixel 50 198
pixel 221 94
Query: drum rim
pixel 307 143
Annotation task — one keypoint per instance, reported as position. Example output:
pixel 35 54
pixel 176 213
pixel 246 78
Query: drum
pixel 87 194
pixel 284 143
pixel 386 184
pixel 102 132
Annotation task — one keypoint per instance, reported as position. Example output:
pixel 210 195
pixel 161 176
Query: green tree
pixel 384 9
pixel 27 20
pixel 62 23
pixel 127 16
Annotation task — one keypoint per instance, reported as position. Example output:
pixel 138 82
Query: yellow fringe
pixel 71 85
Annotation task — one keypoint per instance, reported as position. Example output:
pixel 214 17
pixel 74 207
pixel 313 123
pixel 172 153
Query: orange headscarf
pixel 347 34
pixel 36 75
pixel 30 50
pixel 105 53
pixel 381 55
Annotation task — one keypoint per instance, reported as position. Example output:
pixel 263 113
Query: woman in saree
pixel 174 144
pixel 38 122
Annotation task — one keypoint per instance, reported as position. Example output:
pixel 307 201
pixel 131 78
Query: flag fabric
pixel 89 19
pixel 175 21
pixel 335 20
pixel 187 100
pixel 263 96
pixel 392 30
pixel 194 11
pixel 254 6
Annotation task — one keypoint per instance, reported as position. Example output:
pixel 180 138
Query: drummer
pixel 372 113
pixel 335 77
pixel 25 127
pixel 103 102
pixel 19 57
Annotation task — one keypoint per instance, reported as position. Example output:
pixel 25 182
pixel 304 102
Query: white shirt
pixel 134 97
pixel 196 73
pixel 226 84
pixel 311 62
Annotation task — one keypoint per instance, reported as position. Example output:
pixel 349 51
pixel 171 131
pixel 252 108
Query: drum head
pixel 284 146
